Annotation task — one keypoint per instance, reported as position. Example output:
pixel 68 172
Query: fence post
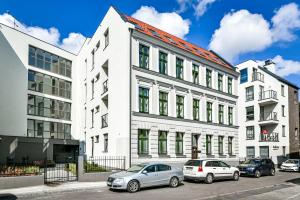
pixel 105 163
pixel 124 163
pixel 45 171
pixel 80 167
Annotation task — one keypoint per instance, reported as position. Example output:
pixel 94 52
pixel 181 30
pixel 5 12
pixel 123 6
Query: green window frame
pixel 208 145
pixel 163 62
pixel 143 142
pixel 209 111
pixel 143 100
pixel 179 68
pixel 163 103
pixel 220 82
pixel 221 114
pixel 208 78
pixel 179 143
pixel 220 145
pixel 195 74
pixel 230 115
pixel 230 150
pixel 180 106
pixel 229 85
pixel 144 56
pixel 162 142
pixel 196 109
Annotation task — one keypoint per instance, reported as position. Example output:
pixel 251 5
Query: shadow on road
pixel 295 181
pixel 144 189
pixel 8 197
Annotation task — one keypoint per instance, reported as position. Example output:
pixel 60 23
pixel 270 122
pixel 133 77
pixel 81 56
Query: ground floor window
pixel 250 152
pixel 208 144
pixel 220 145
pixel 143 141
pixel 264 152
pixel 179 143
pixel 230 139
pixel 162 142
pixel 105 141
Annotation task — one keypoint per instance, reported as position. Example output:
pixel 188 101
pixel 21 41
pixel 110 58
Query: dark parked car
pixel 257 167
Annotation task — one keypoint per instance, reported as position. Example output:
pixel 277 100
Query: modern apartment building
pixel 268 113
pixel 133 90
pixel 38 108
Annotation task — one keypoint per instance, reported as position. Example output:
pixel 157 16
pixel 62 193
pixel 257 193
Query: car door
pixel 264 167
pixel 149 176
pixel 217 170
pixel 226 170
pixel 163 174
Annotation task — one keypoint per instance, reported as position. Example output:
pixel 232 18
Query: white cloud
pixel 241 32
pixel 285 21
pixel 286 67
pixel 170 22
pixel 72 43
pixel 183 5
pixel 201 7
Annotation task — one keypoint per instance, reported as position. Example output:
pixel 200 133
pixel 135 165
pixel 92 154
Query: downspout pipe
pixel 130 90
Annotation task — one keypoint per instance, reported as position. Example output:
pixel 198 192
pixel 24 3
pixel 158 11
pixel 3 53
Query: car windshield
pixel 251 162
pixel 136 168
pixel 292 161
pixel 193 163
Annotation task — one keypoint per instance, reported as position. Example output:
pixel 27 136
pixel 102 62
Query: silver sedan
pixel 145 175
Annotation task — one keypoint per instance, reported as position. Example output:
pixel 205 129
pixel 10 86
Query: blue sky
pixel 269 39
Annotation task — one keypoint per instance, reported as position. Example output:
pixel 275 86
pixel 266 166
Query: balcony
pixel 268 118
pixel 104 119
pixel 269 137
pixel 267 97
pixel 104 87
pixel 257 76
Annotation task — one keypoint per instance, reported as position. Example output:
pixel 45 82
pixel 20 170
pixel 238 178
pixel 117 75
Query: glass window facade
pixel 250 93
pixel 163 103
pixel 180 106
pixel 195 74
pixel 50 62
pixel 143 142
pixel 220 82
pixel 208 145
pixel 179 68
pixel 144 56
pixel 163 62
pixel 244 75
pixel 209 111
pixel 162 142
pixel 179 143
pixel 230 147
pixel 230 115
pixel 220 145
pixel 250 113
pixel 144 100
pixel 250 135
pixel 196 109
pixel 208 78
pixel 229 85
pixel 221 114
pixel 105 142
pixel 250 152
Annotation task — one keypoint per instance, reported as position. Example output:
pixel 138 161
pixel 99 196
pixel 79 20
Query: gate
pixel 61 172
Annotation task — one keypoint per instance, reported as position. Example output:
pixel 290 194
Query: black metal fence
pixel 19 169
pixel 61 172
pixel 104 164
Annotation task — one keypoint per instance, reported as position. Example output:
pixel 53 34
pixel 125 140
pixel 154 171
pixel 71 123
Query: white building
pixel 268 119
pixel 137 92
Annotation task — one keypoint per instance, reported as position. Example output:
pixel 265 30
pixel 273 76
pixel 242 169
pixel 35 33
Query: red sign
pixel 264 131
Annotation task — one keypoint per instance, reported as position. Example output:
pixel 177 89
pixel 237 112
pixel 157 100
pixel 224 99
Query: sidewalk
pixel 70 186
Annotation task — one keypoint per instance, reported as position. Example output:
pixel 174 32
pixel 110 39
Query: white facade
pixel 270 120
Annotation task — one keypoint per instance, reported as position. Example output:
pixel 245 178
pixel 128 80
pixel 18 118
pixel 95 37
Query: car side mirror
pixel 144 172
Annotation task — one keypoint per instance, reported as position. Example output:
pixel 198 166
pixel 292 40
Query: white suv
pixel 209 170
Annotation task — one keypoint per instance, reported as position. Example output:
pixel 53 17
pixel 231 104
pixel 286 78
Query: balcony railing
pixel 257 76
pixel 269 94
pixel 272 116
pixel 104 120
pixel 105 86
pixel 270 137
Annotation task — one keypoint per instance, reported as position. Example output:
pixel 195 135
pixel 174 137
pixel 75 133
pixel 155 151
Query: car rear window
pixel 194 163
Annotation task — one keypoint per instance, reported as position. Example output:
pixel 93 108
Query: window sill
pixel 210 156
pixel 232 156
pixel 222 156
pixel 144 156
pixel 180 156
pixel 163 156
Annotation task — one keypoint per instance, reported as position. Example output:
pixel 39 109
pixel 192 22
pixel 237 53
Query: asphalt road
pixel 284 184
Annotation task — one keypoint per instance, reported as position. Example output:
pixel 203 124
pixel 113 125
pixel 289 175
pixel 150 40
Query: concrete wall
pixel 21 181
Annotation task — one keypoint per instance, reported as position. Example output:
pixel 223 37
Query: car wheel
pixel 257 174
pixel 272 172
pixel 133 186
pixel 209 179
pixel 236 176
pixel 174 182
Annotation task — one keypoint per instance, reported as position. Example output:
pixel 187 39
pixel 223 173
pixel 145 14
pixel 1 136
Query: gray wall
pixel 21 181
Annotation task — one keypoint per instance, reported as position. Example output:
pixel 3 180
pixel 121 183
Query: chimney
pixel 270 65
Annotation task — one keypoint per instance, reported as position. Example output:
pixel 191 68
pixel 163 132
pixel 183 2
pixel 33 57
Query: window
pixel 180 106
pixel 220 145
pixel 296 97
pixel 144 56
pixel 105 142
pixel 143 100
pixel 283 130
pixel 97 109
pixel 283 110
pixel 143 142
pixel 195 74
pixel 92 138
pixel 93 59
pixel 97 77
pixel 97 45
pixel 250 133
pixel 163 103
pixel 250 113
pixel 221 114
pixel 163 62
pixel 151 169
pixel 48 61
pixel 179 68
pixel 208 145
pixel 220 82
pixel 282 90
pixel 250 93
pixel 97 139
pixel 230 115
pixel 93 88
pixel 106 37
pixel 250 152
pixel 179 143
pixel 92 118
pixel 209 111
pixel 264 152
pixel 161 168
pixel 162 142
pixel 230 139
pixel 229 88
pixel 244 75
pixel 283 151
pixel 195 109
pixel 208 78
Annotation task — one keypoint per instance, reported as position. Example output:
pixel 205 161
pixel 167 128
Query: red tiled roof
pixel 175 41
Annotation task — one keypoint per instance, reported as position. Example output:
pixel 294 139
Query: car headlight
pixel 251 168
pixel 119 180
